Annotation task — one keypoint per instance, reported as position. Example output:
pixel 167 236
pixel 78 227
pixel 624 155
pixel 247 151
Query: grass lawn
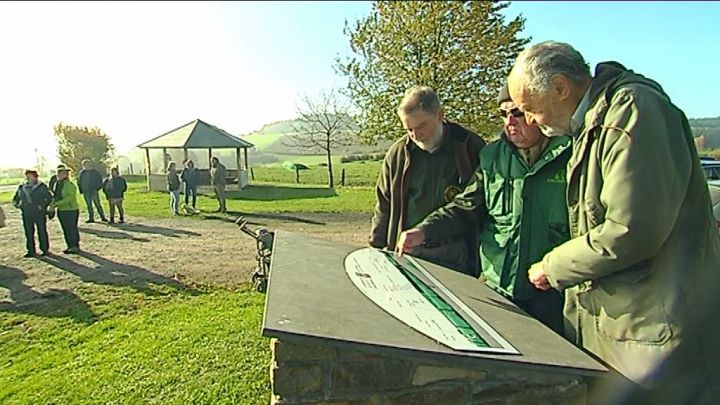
pixel 111 344
pixel 360 174
pixel 11 181
pixel 118 345
pixel 259 196
pixel 309 160
pixel 262 141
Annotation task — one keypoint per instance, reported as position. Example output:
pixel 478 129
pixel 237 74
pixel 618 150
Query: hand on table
pixel 409 240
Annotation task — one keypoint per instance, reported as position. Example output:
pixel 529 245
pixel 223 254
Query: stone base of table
pixel 322 374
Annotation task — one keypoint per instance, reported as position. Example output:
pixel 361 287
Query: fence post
pixel 342 177
pixel 252 174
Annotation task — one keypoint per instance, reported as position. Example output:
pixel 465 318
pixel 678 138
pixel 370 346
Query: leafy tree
pixel 462 49
pixel 76 144
pixel 324 125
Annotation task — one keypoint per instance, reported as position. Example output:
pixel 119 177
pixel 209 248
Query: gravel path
pixel 189 251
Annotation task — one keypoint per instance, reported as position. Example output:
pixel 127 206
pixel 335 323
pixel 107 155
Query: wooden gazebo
pixel 197 135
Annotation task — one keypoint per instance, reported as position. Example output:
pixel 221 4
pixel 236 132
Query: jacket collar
pixel 555 147
pixel 606 76
pixel 578 118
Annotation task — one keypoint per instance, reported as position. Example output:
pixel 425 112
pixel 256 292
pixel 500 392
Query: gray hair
pixel 538 64
pixel 419 98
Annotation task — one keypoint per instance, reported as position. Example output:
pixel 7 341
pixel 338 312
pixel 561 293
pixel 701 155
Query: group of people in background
pixel 90 182
pixel 189 177
pixel 39 202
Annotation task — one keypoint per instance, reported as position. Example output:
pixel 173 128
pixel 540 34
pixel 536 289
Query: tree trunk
pixel 331 180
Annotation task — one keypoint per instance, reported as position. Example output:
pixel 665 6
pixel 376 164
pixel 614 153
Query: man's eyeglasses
pixel 515 112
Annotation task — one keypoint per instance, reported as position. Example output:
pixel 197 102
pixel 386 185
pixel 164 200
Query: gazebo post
pixel 185 154
pixel 148 169
pixel 247 167
pixel 210 164
pixel 165 159
pixel 237 161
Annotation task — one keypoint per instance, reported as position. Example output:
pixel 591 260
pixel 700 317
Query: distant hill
pixel 275 128
pixel 270 148
pixel 280 127
pixel 709 129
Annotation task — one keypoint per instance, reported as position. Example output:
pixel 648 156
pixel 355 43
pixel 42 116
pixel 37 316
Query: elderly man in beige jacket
pixel 641 273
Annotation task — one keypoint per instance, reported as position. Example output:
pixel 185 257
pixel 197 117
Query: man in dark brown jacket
pixel 423 171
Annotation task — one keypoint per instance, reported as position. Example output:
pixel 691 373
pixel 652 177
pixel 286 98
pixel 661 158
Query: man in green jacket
pixel 517 201
pixel 642 270
pixel 422 171
pixel 68 210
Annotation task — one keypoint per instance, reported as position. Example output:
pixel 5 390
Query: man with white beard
pixel 422 171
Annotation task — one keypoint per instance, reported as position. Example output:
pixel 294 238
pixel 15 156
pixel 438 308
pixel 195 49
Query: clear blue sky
pixel 139 69
pixel 675 43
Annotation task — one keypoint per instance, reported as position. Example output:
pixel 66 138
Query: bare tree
pixel 324 124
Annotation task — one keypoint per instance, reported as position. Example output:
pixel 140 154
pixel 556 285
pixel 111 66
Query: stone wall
pixel 323 375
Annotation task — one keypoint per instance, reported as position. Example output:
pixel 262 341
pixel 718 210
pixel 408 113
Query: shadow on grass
pixel 108 272
pixel 267 192
pixel 53 303
pixel 112 234
pixel 230 220
pixel 156 230
pixel 279 217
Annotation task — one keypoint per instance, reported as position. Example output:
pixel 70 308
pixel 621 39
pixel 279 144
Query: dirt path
pixel 205 252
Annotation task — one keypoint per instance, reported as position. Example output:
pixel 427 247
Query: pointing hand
pixel 409 240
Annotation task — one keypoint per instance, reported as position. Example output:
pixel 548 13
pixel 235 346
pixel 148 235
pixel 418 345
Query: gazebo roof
pixel 194 135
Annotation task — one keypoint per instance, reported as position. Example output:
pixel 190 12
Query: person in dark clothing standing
pixel 114 188
pixel 217 177
pixel 33 199
pixel 90 182
pixel 422 171
pixel 68 210
pixel 173 180
pixel 190 177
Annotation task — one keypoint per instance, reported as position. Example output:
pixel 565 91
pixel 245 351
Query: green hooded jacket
pixel 68 197
pixel 520 212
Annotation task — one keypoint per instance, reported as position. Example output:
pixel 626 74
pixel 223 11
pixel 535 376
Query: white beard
pixel 433 143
